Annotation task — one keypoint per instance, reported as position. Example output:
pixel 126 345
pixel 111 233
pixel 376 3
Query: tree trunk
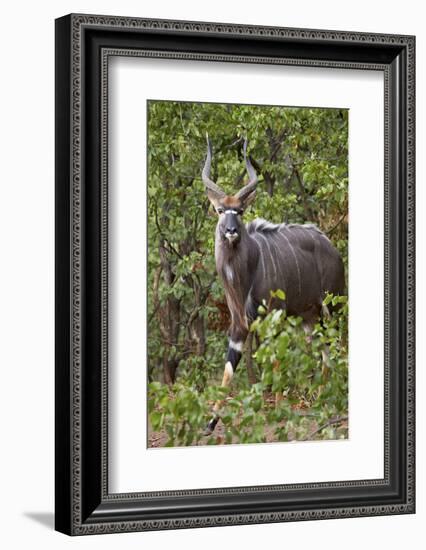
pixel 169 369
pixel 169 318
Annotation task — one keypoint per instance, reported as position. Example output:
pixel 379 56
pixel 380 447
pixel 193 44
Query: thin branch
pixel 275 144
pixel 181 121
pixel 330 231
pixel 335 420
pixel 163 236
pixel 236 142
pixel 156 300
pixel 308 210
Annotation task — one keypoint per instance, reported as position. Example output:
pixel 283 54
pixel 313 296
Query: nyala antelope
pixel 254 259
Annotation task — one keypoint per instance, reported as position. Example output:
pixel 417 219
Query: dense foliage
pixel 300 155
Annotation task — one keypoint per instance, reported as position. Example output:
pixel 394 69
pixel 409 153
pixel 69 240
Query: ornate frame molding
pixel 85 508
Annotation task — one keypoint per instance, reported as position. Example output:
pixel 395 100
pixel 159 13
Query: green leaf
pixel 280 294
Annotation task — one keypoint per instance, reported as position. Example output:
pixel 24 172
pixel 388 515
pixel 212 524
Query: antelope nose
pixel 231 230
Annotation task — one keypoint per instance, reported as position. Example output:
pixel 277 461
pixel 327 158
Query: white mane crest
pixel 259 224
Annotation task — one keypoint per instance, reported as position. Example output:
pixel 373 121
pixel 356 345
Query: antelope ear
pixel 213 198
pixel 249 199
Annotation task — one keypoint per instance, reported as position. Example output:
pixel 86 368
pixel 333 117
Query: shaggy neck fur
pixel 234 263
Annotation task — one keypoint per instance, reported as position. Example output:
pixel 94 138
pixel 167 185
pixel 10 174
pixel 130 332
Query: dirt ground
pixel 159 439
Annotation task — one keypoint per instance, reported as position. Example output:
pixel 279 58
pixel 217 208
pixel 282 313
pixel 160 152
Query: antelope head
pixel 229 208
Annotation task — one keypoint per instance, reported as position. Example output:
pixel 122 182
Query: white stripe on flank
pixel 311 227
pixel 309 230
pixel 237 346
pixel 296 260
pixel 325 236
pixel 270 253
pixel 261 254
pixel 279 258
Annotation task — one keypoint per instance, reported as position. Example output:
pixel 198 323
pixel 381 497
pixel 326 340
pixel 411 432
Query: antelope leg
pixel 232 359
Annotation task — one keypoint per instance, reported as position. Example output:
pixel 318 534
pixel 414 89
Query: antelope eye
pixel 220 210
pixel 240 211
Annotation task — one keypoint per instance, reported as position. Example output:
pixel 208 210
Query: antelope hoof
pixel 211 426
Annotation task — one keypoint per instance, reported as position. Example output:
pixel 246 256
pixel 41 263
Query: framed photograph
pixel 234 274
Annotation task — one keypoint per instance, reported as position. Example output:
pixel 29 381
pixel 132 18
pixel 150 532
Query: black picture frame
pixel 83 45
